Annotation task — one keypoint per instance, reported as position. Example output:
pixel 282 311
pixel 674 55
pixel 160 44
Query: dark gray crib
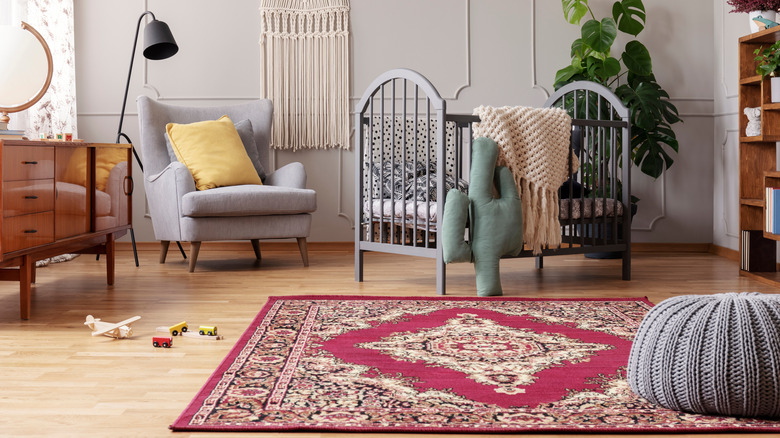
pixel 403 174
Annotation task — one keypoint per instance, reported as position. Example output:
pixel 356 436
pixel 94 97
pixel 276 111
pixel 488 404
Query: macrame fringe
pixel 305 56
pixel 540 216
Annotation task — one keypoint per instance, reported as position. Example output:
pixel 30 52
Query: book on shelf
pixel 11 134
pixel 758 254
pixel 771 205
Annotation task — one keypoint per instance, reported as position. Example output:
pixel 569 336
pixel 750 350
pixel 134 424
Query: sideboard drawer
pixel 24 197
pixel 28 230
pixel 28 162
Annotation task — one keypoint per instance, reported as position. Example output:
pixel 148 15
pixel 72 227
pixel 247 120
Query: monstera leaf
pixel 637 59
pixel 602 69
pixel 574 10
pixel 649 151
pixel 599 35
pixel 648 102
pixel 630 16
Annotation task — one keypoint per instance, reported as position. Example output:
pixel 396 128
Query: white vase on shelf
pixel 769 15
pixel 774 87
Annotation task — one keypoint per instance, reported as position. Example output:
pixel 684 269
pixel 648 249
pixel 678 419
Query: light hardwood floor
pixel 57 380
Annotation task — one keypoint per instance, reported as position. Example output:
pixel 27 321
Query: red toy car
pixel 162 341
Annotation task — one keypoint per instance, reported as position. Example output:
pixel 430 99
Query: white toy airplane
pixel 119 330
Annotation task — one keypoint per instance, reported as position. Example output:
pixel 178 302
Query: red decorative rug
pixel 389 364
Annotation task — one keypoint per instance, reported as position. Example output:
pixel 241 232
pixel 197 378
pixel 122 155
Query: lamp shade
pixel 158 41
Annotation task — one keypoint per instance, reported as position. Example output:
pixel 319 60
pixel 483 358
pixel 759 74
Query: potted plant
pixel 768 62
pixel 630 76
pixel 765 8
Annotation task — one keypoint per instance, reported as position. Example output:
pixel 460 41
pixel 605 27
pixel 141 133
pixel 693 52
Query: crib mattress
pixel 416 214
pixel 584 208
pixel 422 214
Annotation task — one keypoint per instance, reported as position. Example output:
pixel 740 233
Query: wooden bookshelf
pixel 757 162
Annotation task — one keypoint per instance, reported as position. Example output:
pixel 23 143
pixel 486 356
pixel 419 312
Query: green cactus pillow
pixel 496 224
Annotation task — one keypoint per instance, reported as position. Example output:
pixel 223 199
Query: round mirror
pixel 26 69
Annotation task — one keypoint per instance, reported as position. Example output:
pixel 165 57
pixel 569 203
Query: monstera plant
pixel 629 75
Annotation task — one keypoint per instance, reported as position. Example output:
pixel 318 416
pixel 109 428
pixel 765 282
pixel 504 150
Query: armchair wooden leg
pixel 164 250
pixel 194 249
pixel 256 248
pixel 304 250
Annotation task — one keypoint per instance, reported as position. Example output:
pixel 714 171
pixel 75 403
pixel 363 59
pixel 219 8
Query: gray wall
pixel 476 52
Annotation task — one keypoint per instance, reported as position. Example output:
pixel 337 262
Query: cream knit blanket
pixel 534 144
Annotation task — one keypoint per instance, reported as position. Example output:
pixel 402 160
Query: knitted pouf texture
pixel 710 354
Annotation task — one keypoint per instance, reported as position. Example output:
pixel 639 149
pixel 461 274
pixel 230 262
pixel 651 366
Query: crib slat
pixel 416 147
pixel 393 176
pixel 428 148
pixel 404 159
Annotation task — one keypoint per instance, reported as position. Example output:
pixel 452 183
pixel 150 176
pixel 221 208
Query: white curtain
pixel 53 19
pixel 305 58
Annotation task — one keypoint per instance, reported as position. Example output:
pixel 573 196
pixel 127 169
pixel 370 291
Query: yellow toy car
pixel 178 328
pixel 209 330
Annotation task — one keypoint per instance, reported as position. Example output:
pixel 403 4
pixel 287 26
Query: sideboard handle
pixel 129 186
pixel 30 231
pixel 29 162
pixel 30 197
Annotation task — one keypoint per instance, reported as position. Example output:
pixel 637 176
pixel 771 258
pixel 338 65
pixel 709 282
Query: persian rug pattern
pixel 338 363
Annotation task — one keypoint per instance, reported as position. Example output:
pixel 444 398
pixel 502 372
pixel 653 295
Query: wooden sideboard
pixel 60 198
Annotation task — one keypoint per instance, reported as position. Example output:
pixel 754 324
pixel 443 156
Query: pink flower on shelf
pixel 753 5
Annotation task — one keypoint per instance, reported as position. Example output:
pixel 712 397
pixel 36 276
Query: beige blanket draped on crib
pixel 534 144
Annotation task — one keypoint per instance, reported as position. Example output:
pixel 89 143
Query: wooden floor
pixel 57 380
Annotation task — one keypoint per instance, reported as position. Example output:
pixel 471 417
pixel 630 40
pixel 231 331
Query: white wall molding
pixel 662 214
pixel 724 170
pixel 534 79
pixel 722 56
pixel 339 202
pixel 467 83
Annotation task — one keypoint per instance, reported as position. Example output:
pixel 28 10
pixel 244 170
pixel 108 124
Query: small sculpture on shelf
pixel 762 23
pixel 753 127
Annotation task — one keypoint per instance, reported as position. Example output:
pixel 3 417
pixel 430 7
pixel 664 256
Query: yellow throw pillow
pixel 213 152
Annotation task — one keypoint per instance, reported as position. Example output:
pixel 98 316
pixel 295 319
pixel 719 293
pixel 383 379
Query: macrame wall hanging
pixel 305 57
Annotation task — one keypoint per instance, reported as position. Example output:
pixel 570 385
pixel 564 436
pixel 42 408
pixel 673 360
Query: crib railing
pixel 409 152
pixel 595 201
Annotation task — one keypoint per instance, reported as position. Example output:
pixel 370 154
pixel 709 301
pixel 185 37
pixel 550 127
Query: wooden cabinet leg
pixel 25 286
pixel 110 257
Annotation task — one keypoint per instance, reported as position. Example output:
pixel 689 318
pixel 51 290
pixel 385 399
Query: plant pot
pixel 774 86
pixel 769 15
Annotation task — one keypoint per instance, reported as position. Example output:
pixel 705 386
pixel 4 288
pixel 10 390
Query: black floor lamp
pixel 158 44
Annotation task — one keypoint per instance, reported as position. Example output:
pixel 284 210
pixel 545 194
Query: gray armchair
pixel 280 208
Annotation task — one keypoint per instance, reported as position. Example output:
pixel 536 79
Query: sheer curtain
pixel 53 19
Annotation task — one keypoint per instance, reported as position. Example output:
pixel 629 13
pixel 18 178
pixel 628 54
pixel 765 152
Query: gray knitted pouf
pixel 710 354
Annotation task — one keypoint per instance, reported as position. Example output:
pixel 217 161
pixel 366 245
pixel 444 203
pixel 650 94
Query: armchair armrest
pixel 164 192
pixel 292 175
